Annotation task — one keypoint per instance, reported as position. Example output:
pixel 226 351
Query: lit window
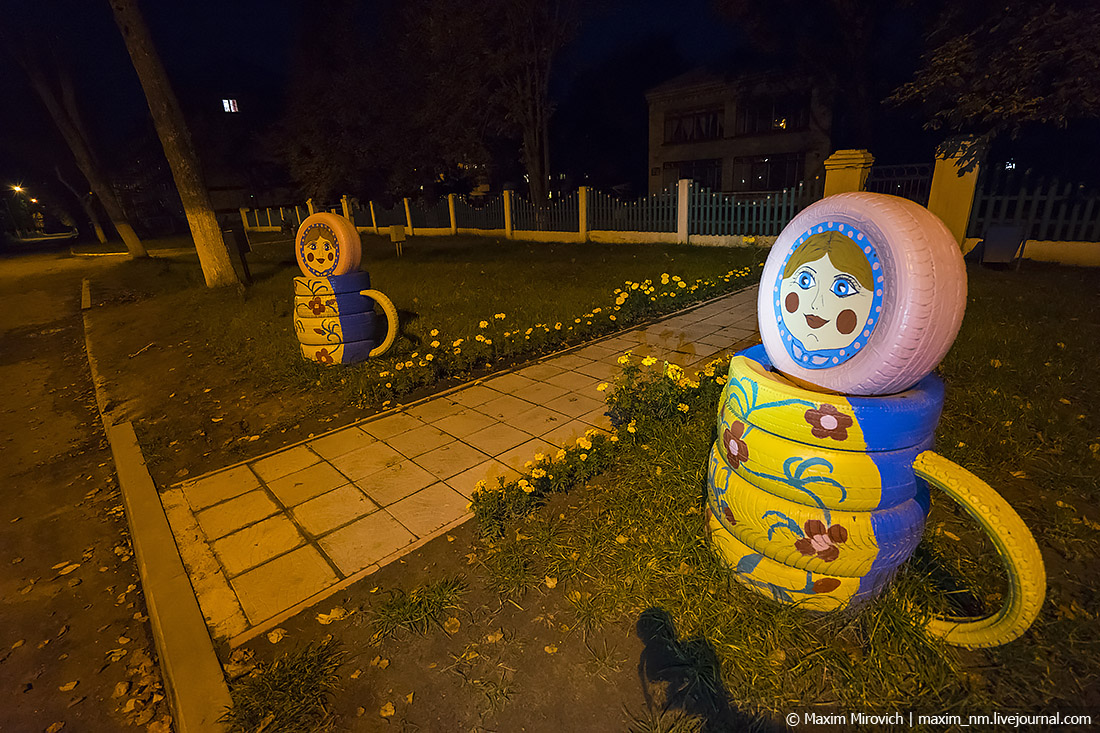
pixel 229 105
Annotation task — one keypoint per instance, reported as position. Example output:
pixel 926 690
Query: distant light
pixel 230 105
pixel 1010 165
pixel 17 189
pixel 34 201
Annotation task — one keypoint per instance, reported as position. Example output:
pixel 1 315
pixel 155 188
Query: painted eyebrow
pixel 807 267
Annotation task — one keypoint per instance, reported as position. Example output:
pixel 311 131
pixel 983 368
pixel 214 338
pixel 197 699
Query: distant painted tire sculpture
pixel 817 498
pixel 334 316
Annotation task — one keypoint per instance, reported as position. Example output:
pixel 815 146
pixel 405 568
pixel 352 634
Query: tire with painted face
pixel 863 294
pixel 327 245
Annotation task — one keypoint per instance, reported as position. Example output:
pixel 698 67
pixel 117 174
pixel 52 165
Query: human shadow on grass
pixel 691 675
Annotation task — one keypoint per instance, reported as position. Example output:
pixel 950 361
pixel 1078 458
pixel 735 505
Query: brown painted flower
pixel 828 422
pixel 826 585
pixel 317 306
pixel 737 451
pixel 728 514
pixel 323 356
pixel 821 541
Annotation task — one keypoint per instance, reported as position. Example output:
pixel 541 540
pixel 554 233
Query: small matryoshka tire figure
pixel 327 245
pixel 863 293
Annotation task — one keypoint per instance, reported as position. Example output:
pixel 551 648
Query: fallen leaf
pixel 450 538
pixel 163 725
pixel 380 662
pixel 551 582
pixel 451 625
pixel 777 657
pixel 68 569
pixel 276 635
pixel 494 637
pixel 19 643
pixel 69 686
pixel 123 640
pixel 550 649
pixel 387 710
pixel 337 614
pixel 622 539
pixel 996 363
pixel 60 565
pixel 356 673
pixel 1019 474
pixel 951 535
pixel 409 698
pixel 121 689
pixel 55 727
pixel 360 712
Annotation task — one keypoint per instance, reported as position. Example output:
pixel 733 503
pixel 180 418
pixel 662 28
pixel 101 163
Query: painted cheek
pixel 309 257
pixel 791 302
pixel 846 321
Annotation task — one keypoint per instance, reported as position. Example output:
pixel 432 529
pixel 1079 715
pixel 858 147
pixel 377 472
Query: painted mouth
pixel 815 321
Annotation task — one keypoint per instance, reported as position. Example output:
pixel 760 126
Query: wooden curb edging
pixel 193 676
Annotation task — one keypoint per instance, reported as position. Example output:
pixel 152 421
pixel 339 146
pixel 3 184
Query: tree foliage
pixel 997 67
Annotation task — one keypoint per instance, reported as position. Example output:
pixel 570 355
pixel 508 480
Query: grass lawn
pixel 601 578
pixel 222 352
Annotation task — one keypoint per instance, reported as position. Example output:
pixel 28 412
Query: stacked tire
pixel 334 317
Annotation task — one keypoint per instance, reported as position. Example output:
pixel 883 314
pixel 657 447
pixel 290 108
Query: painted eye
pixel 805 280
pixel 842 288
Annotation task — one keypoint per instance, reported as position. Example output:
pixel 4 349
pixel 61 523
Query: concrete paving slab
pixel 572 381
pixel 309 482
pixel 504 407
pixel 256 544
pixel 510 383
pixel 366 541
pixel 220 487
pixel 334 509
pixel 363 462
pixel 429 509
pixel 283 582
pixel 600 370
pixel 392 425
pixel 542 392
pixel 574 404
pixel 395 482
pixel 434 409
pixel 516 457
pixel 419 440
pixel 339 443
pixel 285 462
pixel 229 516
pixel 540 372
pixel 489 471
pixel 497 438
pixel 450 460
pixel 570 361
pixel 464 422
pixel 473 396
pixel 538 420
pixel 567 434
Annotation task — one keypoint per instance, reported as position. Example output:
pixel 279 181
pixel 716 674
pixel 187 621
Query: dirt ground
pixel 76 650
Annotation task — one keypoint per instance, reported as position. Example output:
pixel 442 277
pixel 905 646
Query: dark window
pixel 768 172
pixel 707 171
pixel 773 114
pixel 694 125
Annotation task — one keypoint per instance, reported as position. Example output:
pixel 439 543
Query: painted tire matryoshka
pixel 327 245
pixel 863 293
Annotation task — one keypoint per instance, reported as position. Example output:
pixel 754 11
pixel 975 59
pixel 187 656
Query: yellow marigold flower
pixel 528 331
pixel 456 352
pixel 414 355
pixel 584 456
pixel 428 357
pixel 576 320
pixel 673 371
pixel 721 379
pixel 557 326
pixel 648 361
pixel 560 455
pixel 681 284
pixel 596 310
pixel 488 342
pixel 632 427
pixel 388 384
pixel 618 290
pixel 633 286
pixel 614 438
pixel 612 317
pixel 483 324
pixel 457 342
pixel 408 364
pixel 528 464
pixel 398 366
pixel 603 387
pixel 383 374
pixel 538 473
pixel 664 278
pixel 675 278
pixel 682 407
pixel 584 443
pixel 526 486
pixel 479 337
pixel 435 332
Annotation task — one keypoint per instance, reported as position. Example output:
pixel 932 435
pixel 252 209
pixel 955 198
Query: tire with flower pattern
pixel 346 352
pixel 351 282
pixel 765 399
pixel 321 331
pixel 331 306
pixel 834 542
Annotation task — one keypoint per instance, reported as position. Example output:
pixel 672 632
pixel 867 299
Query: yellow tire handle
pixel 1015 544
pixel 391 320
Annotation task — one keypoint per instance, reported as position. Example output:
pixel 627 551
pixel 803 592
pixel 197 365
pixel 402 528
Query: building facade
pixel 753 133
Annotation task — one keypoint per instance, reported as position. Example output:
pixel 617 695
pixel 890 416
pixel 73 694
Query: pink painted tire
pixel 863 294
pixel 327 245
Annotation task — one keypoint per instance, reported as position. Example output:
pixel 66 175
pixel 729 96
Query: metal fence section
pixel 762 213
pixel 273 216
pixel 435 215
pixel 393 215
pixel 1046 209
pixel 913 182
pixel 654 213
pixel 561 214
pixel 477 213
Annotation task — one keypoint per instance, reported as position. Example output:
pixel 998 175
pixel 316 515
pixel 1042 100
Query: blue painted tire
pixel 332 306
pixel 321 331
pixel 352 282
pixel 349 352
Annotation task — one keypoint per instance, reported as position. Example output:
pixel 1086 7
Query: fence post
pixel 408 217
pixel 507 214
pixel 244 217
pixel 582 210
pixel 846 170
pixel 309 206
pixel 373 221
pixel 683 186
pixel 952 195
pixel 451 210
pixel 346 209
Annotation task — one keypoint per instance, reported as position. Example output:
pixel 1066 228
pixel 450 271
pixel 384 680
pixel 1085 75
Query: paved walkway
pixel 266 538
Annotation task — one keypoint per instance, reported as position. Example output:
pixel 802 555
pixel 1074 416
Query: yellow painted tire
pixel 833 479
pixel 352 283
pixel 785 584
pixel 352 327
pixel 327 245
pixel 345 352
pixel 1015 544
pixel 849 544
pixel 767 400
pixel 391 320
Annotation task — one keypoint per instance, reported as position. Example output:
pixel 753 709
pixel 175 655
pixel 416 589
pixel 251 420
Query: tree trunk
pixel 86 204
pixel 217 267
